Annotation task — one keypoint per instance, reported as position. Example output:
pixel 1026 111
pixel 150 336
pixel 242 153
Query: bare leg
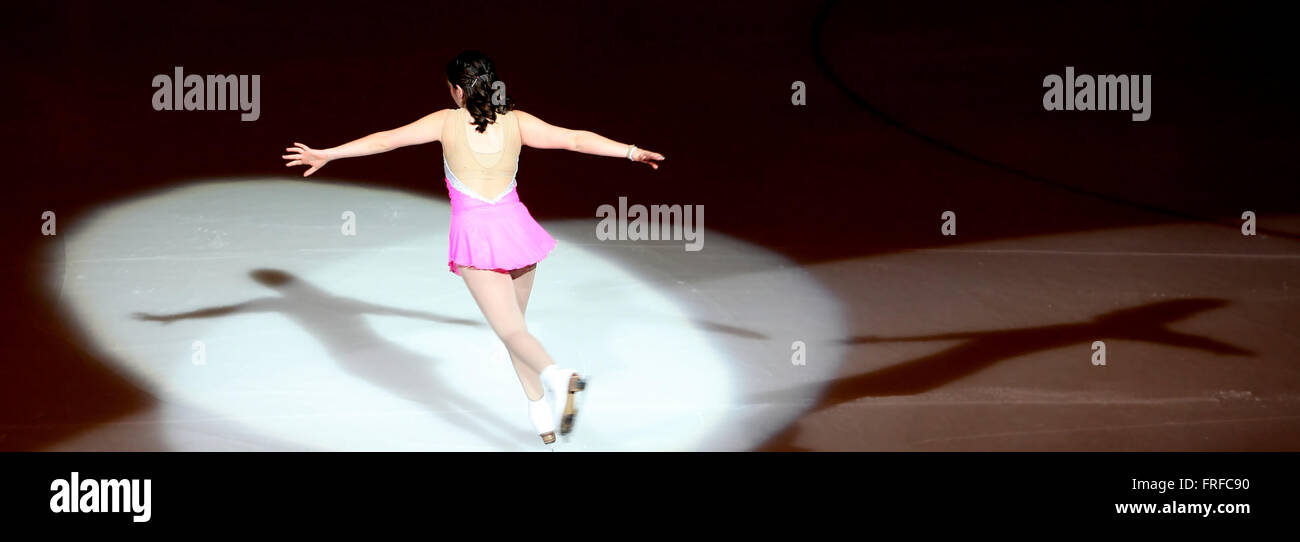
pixel 499 298
pixel 523 279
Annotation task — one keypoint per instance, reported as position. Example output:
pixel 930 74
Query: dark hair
pixel 472 71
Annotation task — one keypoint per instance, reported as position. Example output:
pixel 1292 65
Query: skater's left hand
pixel 646 157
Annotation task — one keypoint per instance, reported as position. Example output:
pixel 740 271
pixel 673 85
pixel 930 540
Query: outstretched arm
pixel 536 133
pixel 425 130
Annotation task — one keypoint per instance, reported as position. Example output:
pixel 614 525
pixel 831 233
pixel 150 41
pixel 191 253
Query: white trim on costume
pixel 460 187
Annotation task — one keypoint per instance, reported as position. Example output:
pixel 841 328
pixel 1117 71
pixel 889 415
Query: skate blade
pixel 567 421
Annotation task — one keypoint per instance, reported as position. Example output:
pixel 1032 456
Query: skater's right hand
pixel 303 154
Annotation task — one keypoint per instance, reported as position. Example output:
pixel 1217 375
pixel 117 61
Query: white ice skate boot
pixel 539 412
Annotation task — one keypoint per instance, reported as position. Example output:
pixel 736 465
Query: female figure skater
pixel 494 243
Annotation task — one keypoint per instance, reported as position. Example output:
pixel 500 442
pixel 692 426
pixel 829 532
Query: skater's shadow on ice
pixel 980 349
pixel 728 330
pixel 339 324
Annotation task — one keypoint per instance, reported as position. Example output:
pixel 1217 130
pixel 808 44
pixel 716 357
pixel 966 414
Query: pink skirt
pixel 500 236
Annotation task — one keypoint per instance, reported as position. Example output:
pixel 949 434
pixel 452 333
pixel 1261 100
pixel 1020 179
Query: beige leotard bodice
pixel 486 176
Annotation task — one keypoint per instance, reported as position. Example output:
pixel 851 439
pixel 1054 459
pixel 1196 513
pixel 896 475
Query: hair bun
pixel 466 70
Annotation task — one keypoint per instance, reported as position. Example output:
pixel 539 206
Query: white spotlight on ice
pixel 246 302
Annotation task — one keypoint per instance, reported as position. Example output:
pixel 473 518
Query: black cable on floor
pixel 819 57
